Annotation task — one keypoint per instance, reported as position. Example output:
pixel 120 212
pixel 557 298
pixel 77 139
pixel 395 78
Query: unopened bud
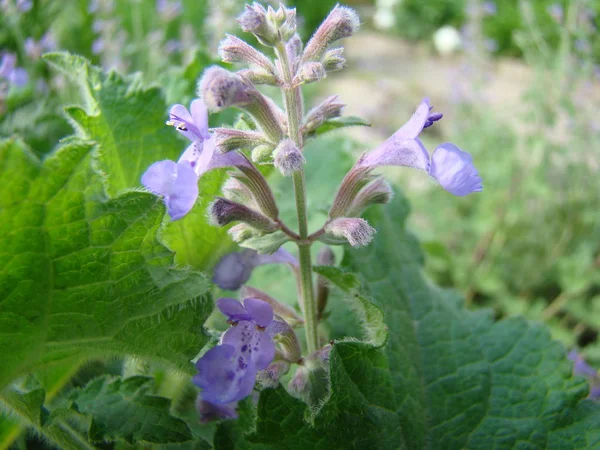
pixel 242 232
pixel 236 191
pixel 223 211
pixel 294 48
pixel 340 23
pixel 377 191
pixel 333 59
pixel 299 385
pixel 233 49
pixel 358 177
pixel 288 158
pixel 309 72
pixel 284 20
pixel 260 189
pixel 288 341
pixel 331 107
pixel 269 377
pixel 233 270
pixel 229 139
pixel 220 89
pixel 356 231
pixel 259 76
pixel 263 154
pixel 279 309
pixel 325 257
pixel 254 20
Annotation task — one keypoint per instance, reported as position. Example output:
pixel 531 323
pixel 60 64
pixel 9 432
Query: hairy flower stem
pixel 293 106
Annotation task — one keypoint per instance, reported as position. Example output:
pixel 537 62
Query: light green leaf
pixel 122 408
pixel 81 275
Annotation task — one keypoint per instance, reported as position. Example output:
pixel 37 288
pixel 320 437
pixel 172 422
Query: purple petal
pixel 260 311
pixel 211 159
pixel 9 60
pixel 200 117
pixel 251 343
pixel 192 154
pixel 233 270
pixel 224 375
pixel 277 327
pixel 19 77
pixel 454 170
pixel 160 176
pixel 281 256
pixel 233 309
pixel 394 152
pixel 414 126
pixel 210 412
pixel 184 123
pixel 184 192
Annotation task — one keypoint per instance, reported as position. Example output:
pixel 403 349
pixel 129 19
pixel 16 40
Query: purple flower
pixel 178 182
pixel 490 8
pixel 24 5
pixel 556 12
pixel 227 372
pixel 234 269
pixel 16 76
pixel 168 9
pixel 449 165
pixel 583 369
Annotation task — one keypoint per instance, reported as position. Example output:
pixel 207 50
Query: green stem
pixel 293 106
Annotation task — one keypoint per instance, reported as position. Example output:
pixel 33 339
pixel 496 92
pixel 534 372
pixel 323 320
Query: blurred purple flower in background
pixel 556 12
pixel 16 76
pixel 583 369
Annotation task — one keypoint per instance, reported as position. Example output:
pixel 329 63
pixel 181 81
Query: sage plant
pixel 261 344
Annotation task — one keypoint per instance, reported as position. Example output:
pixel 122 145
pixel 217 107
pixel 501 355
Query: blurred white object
pixel 384 17
pixel 447 40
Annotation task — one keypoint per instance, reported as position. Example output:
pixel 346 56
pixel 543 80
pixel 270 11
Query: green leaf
pixel 81 275
pixel 127 121
pixel 122 408
pixel 446 378
pixel 340 122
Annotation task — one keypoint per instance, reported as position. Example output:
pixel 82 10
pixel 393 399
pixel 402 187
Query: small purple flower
pixel 449 165
pixel 98 46
pixel 178 182
pixel 227 372
pixel 490 8
pixel 583 369
pixel 556 12
pixel 234 269
pixel 16 76
pixel 24 5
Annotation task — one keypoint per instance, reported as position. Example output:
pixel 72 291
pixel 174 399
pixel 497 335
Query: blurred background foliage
pixel 518 82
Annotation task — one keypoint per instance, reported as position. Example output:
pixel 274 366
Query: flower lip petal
pixel 159 177
pixel 184 192
pixel 454 170
pixel 260 311
pixel 233 309
pixel 251 343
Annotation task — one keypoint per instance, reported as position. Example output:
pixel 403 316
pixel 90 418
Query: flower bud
pixel 340 23
pixel 269 377
pixel 294 51
pixel 377 191
pixel 358 177
pixel 280 309
pixel 325 257
pixel 259 76
pixel 356 231
pixel 288 158
pixel 263 154
pixel 254 20
pixel 288 341
pixel 220 89
pixel 260 189
pixel 223 211
pixel 242 232
pixel 333 59
pixel 233 189
pixel 229 139
pixel 328 109
pixel 233 50
pixel 309 72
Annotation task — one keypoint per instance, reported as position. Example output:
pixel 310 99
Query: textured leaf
pixel 127 120
pixel 446 378
pixel 81 277
pixel 122 408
